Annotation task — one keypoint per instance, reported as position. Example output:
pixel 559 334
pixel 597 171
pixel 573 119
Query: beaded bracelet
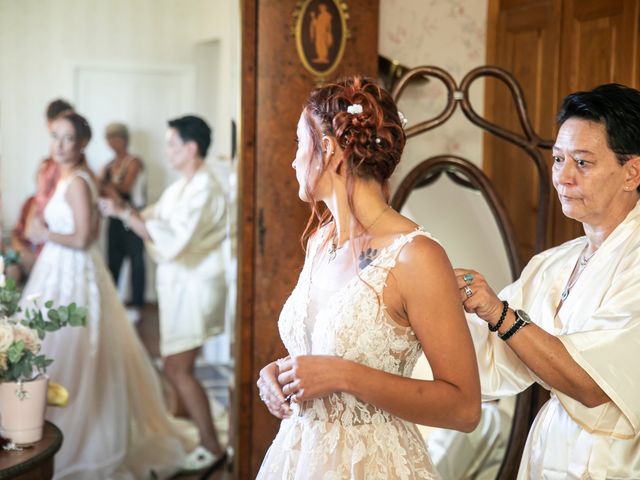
pixel 505 307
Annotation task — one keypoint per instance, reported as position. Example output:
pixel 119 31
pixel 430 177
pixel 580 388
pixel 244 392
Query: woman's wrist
pixel 125 214
pixel 344 376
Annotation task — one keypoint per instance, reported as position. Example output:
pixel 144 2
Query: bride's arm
pixel 78 197
pixel 427 293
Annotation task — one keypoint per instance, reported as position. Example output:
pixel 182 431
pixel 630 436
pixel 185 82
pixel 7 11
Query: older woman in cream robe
pixel 572 321
pixel 183 233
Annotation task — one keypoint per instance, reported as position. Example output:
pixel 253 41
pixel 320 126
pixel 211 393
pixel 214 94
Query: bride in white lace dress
pixel 375 291
pixel 115 424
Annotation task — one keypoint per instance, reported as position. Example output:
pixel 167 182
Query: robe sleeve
pixel 608 352
pixel 502 373
pixel 189 219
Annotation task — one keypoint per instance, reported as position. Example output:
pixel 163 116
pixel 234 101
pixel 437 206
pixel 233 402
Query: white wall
pixel 43 43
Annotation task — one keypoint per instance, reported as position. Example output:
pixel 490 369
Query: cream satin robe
pixel 187 227
pixel 599 324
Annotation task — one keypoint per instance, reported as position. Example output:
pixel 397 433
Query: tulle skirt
pixel 116 423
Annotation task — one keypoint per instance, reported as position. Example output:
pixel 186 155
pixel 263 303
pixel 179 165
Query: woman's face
pixel 306 173
pixel 178 152
pixel 65 147
pixel 586 174
pixel 117 143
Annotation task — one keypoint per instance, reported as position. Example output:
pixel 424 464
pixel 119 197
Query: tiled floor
pixel 215 379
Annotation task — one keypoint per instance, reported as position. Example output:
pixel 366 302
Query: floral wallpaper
pixel 450 34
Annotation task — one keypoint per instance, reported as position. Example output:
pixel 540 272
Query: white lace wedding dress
pixel 116 424
pixel 340 437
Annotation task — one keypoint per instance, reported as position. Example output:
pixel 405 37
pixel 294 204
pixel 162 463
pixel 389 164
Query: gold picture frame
pixel 321 34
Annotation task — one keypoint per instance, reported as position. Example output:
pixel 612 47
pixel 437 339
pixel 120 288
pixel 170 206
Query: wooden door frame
pixel 244 367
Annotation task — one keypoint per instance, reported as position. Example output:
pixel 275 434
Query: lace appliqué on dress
pixel 339 436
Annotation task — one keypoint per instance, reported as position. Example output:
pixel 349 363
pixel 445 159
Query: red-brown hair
pixel 372 140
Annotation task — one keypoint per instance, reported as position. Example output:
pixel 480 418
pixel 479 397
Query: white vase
pixel 22 406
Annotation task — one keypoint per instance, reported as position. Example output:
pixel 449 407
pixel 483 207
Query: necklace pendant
pixel 564 294
pixel 332 251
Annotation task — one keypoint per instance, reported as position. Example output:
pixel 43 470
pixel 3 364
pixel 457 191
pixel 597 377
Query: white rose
pixel 3 280
pixel 28 336
pixel 6 337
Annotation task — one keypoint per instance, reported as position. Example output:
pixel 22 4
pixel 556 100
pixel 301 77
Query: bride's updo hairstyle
pixel 80 125
pixel 364 120
pixel 82 130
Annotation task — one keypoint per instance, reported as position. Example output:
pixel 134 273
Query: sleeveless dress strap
pixel 87 178
pixel 377 277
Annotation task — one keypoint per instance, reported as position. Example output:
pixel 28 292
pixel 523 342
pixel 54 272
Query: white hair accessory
pixel 355 109
pixel 403 119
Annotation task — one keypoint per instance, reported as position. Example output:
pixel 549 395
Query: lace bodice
pixel 58 213
pixel 352 324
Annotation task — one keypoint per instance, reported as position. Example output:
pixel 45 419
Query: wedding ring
pixel 467 291
pixel 468 278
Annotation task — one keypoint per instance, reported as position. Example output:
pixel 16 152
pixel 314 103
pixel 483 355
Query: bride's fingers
pixel 286 377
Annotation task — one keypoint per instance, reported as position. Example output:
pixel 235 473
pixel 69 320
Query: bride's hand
pixel 310 376
pixel 37 231
pixel 271 392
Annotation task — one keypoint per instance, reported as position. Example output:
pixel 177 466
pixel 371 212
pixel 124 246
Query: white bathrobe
pixel 599 324
pixel 187 227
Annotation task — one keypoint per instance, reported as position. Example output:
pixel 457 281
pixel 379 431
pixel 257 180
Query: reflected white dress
pixel 339 436
pixel 115 424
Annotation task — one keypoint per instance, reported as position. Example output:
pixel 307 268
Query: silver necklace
pixel 577 271
pixel 334 247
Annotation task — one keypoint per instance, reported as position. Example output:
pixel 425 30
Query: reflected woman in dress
pixel 374 293
pixel 116 422
pixel 124 178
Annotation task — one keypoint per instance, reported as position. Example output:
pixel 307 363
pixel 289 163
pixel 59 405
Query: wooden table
pixel 34 462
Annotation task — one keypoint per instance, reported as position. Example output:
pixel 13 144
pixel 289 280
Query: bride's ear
pixel 332 154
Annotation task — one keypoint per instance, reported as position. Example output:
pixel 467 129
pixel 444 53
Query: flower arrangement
pixel 22 331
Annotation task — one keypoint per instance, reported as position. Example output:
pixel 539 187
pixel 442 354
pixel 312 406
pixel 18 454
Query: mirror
pixel 475 232
pixel 139 63
pixel 464 219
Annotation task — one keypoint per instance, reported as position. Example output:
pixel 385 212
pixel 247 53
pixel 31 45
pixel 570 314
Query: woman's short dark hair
pixel 617 107
pixel 192 128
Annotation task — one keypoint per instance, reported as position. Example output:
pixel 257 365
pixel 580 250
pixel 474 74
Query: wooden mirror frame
pixel 529 401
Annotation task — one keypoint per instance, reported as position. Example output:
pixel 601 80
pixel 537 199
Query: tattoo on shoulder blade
pixel 366 257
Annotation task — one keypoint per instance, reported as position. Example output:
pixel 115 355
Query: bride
pixel 115 422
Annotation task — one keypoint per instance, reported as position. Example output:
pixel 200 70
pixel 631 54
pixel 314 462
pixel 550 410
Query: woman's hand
pixel 271 391
pixel 310 376
pixel 37 231
pixel 109 207
pixel 477 296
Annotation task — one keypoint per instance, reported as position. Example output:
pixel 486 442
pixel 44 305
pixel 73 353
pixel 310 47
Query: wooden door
pixel 553 48
pixel 599 45
pixel 271 217
pixel 522 38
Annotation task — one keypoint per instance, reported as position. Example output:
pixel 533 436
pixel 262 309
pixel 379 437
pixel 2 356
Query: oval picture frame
pixel 321 35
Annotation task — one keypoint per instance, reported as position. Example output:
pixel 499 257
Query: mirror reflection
pixel 85 103
pixel 472 238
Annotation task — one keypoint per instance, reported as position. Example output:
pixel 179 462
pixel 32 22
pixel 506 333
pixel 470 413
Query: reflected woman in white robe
pixel 183 232
pixel 572 321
